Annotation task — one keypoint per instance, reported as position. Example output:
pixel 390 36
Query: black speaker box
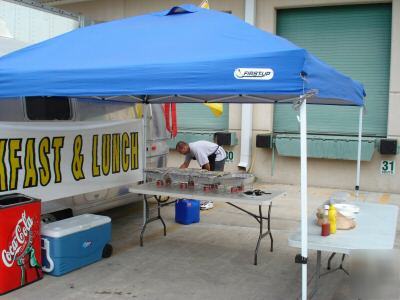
pixel 223 138
pixel 388 146
pixel 263 141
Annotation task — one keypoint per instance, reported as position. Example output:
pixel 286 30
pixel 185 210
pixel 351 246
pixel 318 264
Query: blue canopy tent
pixel 184 54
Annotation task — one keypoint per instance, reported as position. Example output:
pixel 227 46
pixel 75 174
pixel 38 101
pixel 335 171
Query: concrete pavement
pixel 209 260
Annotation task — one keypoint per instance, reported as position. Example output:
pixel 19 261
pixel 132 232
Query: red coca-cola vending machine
pixel 19 241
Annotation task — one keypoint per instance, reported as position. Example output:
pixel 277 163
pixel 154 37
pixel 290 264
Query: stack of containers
pixel 160 176
pixel 183 178
pixel 237 182
pixel 207 181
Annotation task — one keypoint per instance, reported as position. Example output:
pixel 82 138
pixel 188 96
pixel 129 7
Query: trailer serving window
pixel 40 108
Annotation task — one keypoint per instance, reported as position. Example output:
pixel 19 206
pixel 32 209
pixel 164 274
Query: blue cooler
pixel 75 242
pixel 187 211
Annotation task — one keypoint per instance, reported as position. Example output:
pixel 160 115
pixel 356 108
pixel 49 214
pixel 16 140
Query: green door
pixel 197 122
pixel 198 117
pixel 354 39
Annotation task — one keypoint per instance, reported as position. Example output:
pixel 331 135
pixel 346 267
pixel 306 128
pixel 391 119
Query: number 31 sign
pixel 388 167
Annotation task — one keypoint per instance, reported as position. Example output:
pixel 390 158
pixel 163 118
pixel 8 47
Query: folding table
pixel 233 199
pixel 375 230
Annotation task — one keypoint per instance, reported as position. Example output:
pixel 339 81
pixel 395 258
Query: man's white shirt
pixel 201 150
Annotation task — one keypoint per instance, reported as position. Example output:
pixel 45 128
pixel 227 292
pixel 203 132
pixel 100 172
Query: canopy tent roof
pixel 187 51
pixel 188 54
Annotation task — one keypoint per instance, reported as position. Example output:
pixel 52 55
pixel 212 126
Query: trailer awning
pixel 184 51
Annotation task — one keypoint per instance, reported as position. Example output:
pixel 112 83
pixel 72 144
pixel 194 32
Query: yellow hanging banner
pixel 205 4
pixel 216 108
pixel 139 110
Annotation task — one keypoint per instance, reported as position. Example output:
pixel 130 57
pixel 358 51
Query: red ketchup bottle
pixel 325 228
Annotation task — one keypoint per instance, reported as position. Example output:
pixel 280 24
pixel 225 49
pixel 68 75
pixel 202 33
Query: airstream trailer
pixel 35 119
pixel 38 145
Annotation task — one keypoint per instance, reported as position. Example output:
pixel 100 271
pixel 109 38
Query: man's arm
pixel 206 167
pixel 185 165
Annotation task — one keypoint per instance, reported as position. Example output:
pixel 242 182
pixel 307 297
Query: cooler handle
pixel 46 248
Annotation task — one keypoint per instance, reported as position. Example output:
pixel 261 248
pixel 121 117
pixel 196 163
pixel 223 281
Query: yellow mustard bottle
pixel 332 218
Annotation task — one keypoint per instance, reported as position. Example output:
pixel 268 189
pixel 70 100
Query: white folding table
pixel 233 199
pixel 375 230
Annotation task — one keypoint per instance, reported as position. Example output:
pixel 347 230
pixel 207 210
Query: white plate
pixel 347 207
pixel 347 210
pixel 347 214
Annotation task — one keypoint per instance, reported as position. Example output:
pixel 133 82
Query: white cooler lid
pixel 72 225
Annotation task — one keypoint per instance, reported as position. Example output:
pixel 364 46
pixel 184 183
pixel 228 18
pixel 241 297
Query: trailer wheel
pixel 48 218
pixel 107 251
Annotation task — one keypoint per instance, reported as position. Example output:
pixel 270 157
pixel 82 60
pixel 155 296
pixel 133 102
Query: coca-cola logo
pixel 19 241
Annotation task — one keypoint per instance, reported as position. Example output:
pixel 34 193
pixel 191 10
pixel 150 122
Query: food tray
pixel 237 179
pixel 207 177
pixel 180 175
pixel 156 174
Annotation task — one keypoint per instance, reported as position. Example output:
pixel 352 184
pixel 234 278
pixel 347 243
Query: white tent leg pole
pixel 144 156
pixel 246 128
pixel 360 126
pixel 303 197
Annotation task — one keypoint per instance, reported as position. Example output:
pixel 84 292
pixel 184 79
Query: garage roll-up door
pixel 197 122
pixel 199 117
pixel 354 39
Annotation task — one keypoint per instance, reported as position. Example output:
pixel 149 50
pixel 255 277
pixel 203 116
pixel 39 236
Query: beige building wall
pixel 322 172
pixel 105 10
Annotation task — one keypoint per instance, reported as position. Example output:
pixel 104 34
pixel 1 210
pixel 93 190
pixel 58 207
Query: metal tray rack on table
pixel 178 176
pixel 158 175
pixel 237 182
pixel 207 180
pixel 155 174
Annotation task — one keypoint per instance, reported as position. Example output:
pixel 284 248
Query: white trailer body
pixel 44 160
pixel 77 154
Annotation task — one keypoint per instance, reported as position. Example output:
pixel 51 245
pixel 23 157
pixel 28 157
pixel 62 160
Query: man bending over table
pixel 208 155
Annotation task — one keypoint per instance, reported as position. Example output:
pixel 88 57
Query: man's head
pixel 182 147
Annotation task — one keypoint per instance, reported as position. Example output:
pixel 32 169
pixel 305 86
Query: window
pixel 40 108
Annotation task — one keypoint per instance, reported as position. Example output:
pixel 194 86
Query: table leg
pixel 314 277
pixel 146 214
pixel 330 270
pixel 259 236
pixel 159 202
pixel 145 219
pixel 330 259
pixel 269 227
pixel 341 265
pixel 317 274
pixel 260 219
